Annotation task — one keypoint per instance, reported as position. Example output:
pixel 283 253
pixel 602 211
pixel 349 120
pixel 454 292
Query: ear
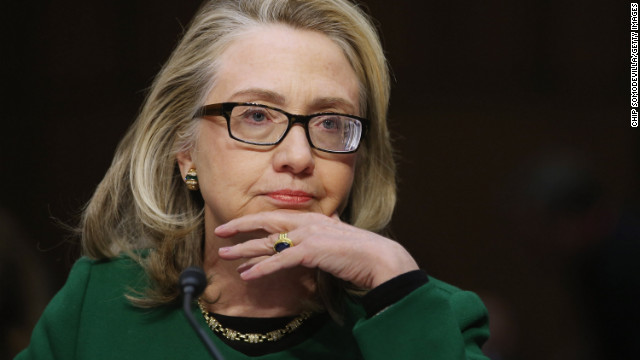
pixel 185 162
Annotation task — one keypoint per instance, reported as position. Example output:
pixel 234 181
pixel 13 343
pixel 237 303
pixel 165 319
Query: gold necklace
pixel 253 338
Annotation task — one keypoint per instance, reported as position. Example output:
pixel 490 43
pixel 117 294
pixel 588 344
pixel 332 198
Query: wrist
pixel 392 291
pixel 390 267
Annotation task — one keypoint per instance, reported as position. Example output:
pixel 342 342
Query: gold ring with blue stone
pixel 283 243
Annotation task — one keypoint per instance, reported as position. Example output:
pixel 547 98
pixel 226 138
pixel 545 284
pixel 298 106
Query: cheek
pixel 228 181
pixel 338 176
pixel 226 169
pixel 217 165
pixel 215 150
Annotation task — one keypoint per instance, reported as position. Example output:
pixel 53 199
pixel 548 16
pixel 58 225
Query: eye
pixel 257 116
pixel 330 123
pixel 254 115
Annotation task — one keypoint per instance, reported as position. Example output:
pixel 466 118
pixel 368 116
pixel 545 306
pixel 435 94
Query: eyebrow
pixel 277 99
pixel 262 94
pixel 334 102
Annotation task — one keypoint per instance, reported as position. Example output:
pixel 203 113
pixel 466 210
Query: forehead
pixel 296 65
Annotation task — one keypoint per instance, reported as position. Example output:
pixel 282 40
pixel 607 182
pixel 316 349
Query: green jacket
pixel 91 319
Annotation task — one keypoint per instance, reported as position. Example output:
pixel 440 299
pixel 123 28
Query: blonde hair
pixel 143 203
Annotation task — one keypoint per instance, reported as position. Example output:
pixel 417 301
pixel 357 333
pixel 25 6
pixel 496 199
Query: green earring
pixel 191 179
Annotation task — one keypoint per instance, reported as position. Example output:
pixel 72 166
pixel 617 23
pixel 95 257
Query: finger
pixel 249 264
pixel 271 221
pixel 251 248
pixel 287 259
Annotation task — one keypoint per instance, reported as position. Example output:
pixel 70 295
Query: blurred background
pixel 518 169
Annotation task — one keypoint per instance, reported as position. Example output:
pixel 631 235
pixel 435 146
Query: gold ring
pixel 283 243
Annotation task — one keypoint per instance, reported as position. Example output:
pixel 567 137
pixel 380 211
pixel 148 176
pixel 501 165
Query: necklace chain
pixel 253 338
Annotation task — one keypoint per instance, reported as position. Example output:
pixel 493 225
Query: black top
pixel 373 302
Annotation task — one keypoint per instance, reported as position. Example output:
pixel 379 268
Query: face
pixel 298 71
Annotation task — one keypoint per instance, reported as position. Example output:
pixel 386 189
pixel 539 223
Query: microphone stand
pixel 192 283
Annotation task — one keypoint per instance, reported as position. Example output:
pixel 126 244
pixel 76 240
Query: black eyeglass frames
pixel 259 124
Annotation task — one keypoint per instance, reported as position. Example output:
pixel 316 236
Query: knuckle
pixel 316 228
pixel 308 261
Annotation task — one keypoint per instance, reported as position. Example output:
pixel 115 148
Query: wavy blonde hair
pixel 143 203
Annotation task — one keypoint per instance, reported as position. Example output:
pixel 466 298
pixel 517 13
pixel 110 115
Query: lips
pixel 290 196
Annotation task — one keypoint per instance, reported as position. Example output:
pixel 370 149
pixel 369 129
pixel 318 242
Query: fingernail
pixel 225 249
pixel 242 268
pixel 246 274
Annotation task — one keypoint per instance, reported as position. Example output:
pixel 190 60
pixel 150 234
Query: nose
pixel 294 154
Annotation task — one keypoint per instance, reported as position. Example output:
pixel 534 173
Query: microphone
pixel 192 283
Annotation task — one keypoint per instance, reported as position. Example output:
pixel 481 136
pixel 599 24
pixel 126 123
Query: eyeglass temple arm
pixel 211 110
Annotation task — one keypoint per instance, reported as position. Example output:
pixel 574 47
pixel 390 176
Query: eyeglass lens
pixel 259 125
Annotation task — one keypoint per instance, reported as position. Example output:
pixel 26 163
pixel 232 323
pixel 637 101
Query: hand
pixel 364 258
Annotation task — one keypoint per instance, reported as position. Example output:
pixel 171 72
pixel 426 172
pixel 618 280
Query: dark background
pixel 518 167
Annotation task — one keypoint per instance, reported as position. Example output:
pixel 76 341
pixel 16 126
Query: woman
pixel 284 212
